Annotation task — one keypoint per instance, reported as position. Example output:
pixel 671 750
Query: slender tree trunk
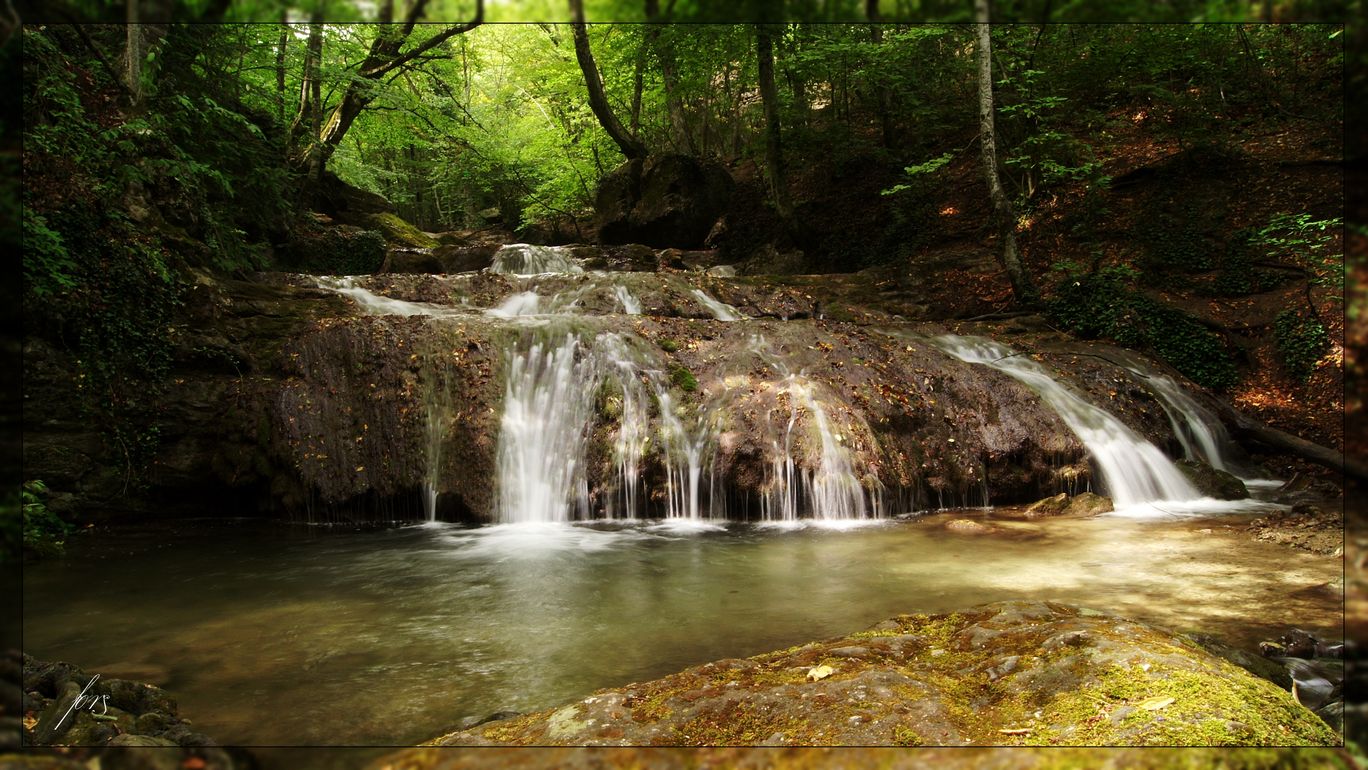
pixel 681 136
pixel 774 154
pixel 133 53
pixel 1004 217
pixel 386 57
pixel 638 82
pixel 280 67
pixel 631 147
pixel 881 94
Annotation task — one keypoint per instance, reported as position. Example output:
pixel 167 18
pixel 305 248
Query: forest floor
pixel 1285 166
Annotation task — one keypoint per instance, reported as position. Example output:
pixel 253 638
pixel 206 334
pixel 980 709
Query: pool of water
pixel 276 634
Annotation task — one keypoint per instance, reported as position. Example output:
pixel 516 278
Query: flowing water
pixel 720 310
pixel 526 259
pixel 1136 474
pixel 393 636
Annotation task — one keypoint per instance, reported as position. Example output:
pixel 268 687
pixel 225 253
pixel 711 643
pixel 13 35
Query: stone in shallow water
pixel 1059 676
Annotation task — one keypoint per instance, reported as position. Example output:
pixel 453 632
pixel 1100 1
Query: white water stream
pixel 1134 471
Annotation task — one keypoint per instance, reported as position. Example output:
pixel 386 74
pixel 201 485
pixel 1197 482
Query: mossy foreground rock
pixel 1028 673
pixel 882 758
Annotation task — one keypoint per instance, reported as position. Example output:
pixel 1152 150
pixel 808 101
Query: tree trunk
pixel 680 135
pixel 280 67
pixel 1249 430
pixel 774 154
pixel 1004 217
pixel 881 95
pixel 631 147
pixel 133 54
pixel 638 82
pixel 385 58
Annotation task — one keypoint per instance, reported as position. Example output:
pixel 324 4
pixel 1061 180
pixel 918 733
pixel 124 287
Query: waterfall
pixel 683 455
pixel 375 304
pixel 720 310
pixel 1201 434
pixel 634 425
pixel 832 490
pixel 526 259
pixel 519 304
pixel 1134 471
pixel 436 408
pixel 548 406
pixel 436 400
pixel 630 305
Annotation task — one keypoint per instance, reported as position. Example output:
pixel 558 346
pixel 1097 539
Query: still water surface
pixel 272 634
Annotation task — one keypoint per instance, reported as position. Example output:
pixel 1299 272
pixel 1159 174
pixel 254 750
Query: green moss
pixel 740 723
pixel 515 730
pixel 399 232
pixel 906 736
pixel 683 378
pixel 1208 708
pixel 668 345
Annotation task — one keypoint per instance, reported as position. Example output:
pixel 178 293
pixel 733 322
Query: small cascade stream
pixel 1134 471
pixel 548 404
pixel 593 423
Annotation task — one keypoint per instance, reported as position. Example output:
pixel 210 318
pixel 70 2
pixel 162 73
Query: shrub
pixel 1301 341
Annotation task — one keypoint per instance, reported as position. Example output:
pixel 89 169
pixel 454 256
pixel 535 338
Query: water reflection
pixel 394 636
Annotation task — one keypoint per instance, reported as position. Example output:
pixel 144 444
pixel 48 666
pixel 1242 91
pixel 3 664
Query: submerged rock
pixel 1008 673
pixel 1213 482
pixel 1088 504
pixel 1050 506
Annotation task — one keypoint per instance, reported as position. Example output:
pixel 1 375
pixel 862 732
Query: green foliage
pixel 48 268
pixel 1104 304
pixel 43 533
pixel 683 378
pixel 1300 240
pixel 337 251
pixel 668 345
pixel 920 169
pixel 1301 341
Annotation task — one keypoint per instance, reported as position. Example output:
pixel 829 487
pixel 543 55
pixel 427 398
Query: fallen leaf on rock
pixel 819 672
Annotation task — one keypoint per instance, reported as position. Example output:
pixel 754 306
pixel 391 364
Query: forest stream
pixel 396 636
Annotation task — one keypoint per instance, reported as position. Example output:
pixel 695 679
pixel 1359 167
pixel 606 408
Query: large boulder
pixel 663 201
pixel 1011 673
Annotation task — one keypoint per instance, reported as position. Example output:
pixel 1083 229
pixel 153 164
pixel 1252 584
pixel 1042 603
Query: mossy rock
pixel 1011 673
pixel 399 232
pixel 1213 482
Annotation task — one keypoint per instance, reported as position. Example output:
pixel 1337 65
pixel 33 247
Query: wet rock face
pixel 1012 673
pixel 665 201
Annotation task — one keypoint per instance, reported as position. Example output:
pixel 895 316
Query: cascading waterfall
pixel 526 259
pixel 683 480
pixel 1200 433
pixel 548 405
pixel 634 425
pixel 720 310
pixel 437 409
pixel 630 304
pixel 375 304
pixel 519 304
pixel 1134 471
pixel 831 491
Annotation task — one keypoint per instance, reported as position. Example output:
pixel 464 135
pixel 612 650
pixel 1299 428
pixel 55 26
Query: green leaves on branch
pixel 44 534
